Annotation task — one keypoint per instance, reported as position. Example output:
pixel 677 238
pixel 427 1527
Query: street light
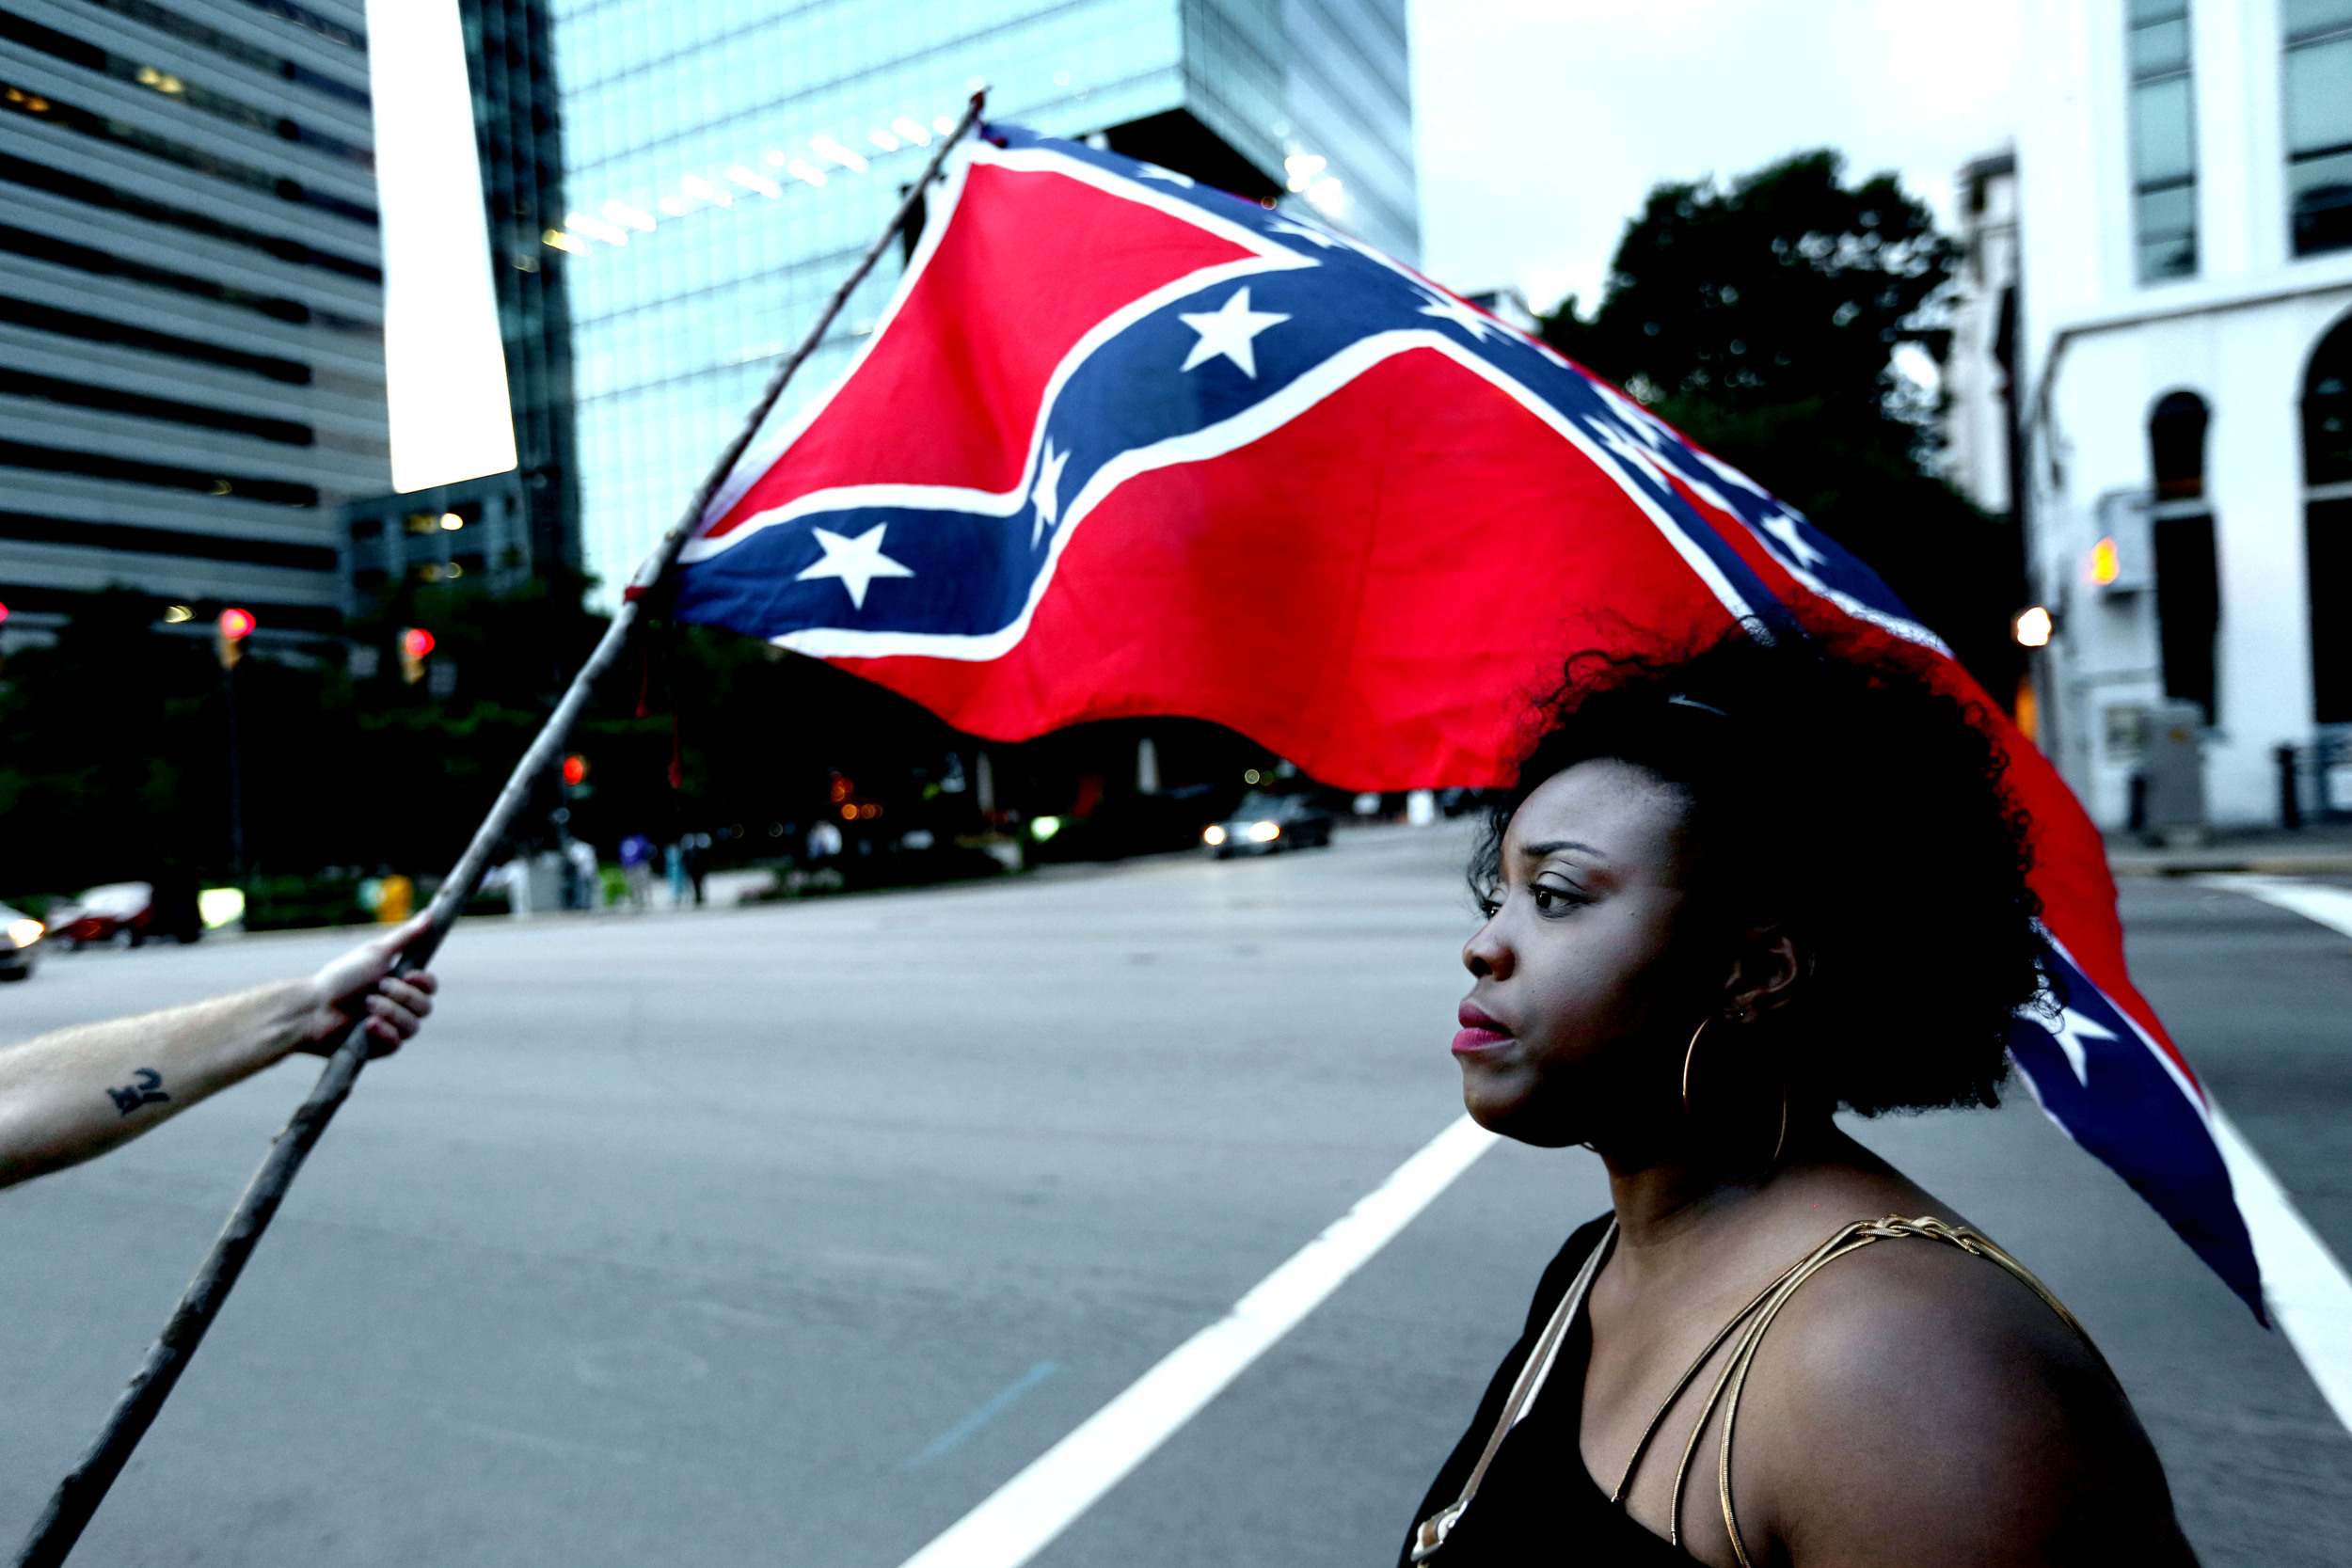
pixel 415 644
pixel 233 628
pixel 2032 627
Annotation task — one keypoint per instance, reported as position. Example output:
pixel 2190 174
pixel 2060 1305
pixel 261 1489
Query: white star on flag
pixel 1447 308
pixel 1228 330
pixel 2070 1032
pixel 1047 494
pixel 1784 528
pixel 856 562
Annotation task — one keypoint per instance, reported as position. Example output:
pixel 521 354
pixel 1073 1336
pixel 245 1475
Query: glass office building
pixel 190 305
pixel 527 520
pixel 727 162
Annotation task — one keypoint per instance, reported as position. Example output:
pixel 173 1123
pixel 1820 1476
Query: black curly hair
pixel 1843 794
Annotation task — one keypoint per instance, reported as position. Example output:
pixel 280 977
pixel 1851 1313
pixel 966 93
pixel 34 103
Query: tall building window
pixel 2188 578
pixel 2319 124
pixel 2164 141
pixel 2328 522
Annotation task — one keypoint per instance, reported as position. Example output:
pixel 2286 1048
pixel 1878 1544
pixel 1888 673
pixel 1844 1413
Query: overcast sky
pixel 1543 123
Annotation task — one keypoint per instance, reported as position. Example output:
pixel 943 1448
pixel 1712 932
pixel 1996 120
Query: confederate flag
pixel 1123 445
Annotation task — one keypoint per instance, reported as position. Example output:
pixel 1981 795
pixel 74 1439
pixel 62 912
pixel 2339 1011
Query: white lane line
pixel 1027 1512
pixel 2309 1293
pixel 2314 901
pixel 2310 1297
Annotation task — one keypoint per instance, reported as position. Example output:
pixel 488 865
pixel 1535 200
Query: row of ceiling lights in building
pixel 613 222
pixel 1306 175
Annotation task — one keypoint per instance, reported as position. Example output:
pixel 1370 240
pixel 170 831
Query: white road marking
pixel 1025 1514
pixel 2314 901
pixel 2309 1293
pixel 2309 1297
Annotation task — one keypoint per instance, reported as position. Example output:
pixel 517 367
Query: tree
pixel 1763 320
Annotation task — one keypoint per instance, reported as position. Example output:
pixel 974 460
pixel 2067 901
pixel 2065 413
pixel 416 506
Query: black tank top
pixel 1538 1503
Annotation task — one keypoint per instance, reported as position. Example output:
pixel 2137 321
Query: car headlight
pixel 1212 836
pixel 1266 832
pixel 25 932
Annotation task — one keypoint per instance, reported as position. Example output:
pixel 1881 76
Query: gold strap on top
pixel 1753 1319
pixel 1431 1533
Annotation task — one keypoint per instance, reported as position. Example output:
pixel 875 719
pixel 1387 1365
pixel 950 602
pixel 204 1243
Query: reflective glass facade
pixel 728 160
pixel 526 520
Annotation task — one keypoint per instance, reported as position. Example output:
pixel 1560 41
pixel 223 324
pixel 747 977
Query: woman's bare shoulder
pixel 1925 1406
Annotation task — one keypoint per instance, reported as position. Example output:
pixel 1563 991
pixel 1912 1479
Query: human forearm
pixel 68 1096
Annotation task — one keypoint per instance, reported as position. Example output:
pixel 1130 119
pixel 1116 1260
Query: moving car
pixel 117 911
pixel 20 943
pixel 1264 823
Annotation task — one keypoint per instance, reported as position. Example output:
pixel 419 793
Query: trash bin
pixel 2172 761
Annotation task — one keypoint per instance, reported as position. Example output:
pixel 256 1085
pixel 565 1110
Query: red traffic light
pixel 237 624
pixel 575 768
pixel 415 642
pixel 4 612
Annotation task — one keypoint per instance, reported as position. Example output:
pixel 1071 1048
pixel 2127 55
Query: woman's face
pixel 1572 977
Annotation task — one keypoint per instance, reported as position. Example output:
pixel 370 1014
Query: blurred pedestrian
pixel 175 912
pixel 78 1092
pixel 586 879
pixel 694 854
pixel 637 868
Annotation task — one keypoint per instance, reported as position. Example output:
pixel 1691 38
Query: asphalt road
pixel 787 1234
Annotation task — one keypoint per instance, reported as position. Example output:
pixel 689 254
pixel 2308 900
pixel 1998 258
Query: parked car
pixel 1264 823
pixel 115 913
pixel 20 943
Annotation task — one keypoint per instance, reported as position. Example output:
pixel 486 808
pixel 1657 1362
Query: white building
pixel 2184 203
pixel 1981 410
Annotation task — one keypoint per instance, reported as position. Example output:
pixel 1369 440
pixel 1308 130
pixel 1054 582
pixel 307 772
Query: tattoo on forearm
pixel 146 1088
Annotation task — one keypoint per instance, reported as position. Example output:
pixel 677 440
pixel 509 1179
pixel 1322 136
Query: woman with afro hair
pixel 1730 896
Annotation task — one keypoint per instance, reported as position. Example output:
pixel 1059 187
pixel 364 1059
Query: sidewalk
pixel 2321 850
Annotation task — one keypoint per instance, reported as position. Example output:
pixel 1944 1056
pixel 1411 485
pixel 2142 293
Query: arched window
pixel 2188 579
pixel 2176 447
pixel 2327 521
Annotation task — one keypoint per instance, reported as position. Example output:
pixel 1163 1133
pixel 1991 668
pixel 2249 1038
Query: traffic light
pixel 575 769
pixel 414 643
pixel 233 627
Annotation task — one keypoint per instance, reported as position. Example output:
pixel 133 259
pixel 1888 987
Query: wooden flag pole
pixel 78 1495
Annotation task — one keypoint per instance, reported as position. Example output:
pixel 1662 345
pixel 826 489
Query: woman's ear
pixel 1764 970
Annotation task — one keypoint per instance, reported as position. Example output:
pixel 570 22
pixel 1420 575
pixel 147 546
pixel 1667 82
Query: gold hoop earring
pixel 1688 1052
pixel 1780 1143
